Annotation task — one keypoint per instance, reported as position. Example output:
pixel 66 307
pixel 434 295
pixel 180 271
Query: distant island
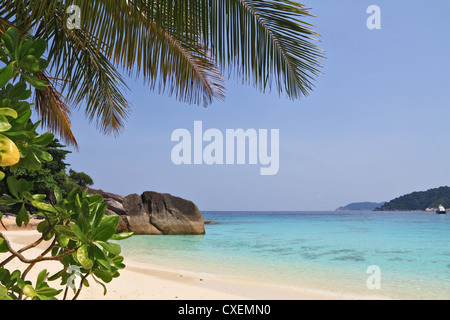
pixel 419 200
pixel 361 206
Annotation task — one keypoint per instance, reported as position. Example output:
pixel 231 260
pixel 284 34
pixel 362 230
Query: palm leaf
pixel 53 111
pixel 159 40
pixel 267 41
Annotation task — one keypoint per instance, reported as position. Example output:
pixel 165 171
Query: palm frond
pixel 91 79
pixel 160 40
pixel 267 41
pixel 53 111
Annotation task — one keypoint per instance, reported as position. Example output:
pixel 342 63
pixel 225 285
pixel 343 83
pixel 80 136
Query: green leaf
pixel 63 240
pixel 30 63
pixel 3 248
pixel 43 64
pixel 83 257
pixel 41 278
pixel 8 45
pixel 99 272
pixel 35 81
pixel 94 198
pixel 17 136
pixel 43 139
pixel 2 175
pixel 43 226
pixel 22 106
pixel 106 228
pixel 38 48
pixel 99 214
pixel 24 48
pixel 117 261
pixel 19 92
pixel 47 292
pixel 58 194
pixel 22 216
pixel 44 206
pixel 8 112
pixel 57 275
pixel 4 124
pixel 101 257
pixel 13 186
pixel 67 231
pixel 15 275
pixel 77 200
pixel 23 117
pixel 8 201
pixel 24 185
pixel 121 236
pixel 27 195
pixel 5 103
pixel 29 291
pixel 79 233
pixel 6 73
pixel 85 209
pixel 13 33
pixel 113 248
pixel 4 274
pixel 38 197
pixel 44 155
pixel 4 293
pixel 105 275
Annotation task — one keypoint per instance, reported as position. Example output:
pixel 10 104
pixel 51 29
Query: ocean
pixel 358 254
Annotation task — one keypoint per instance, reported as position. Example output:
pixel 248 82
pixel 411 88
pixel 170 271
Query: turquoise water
pixel 328 251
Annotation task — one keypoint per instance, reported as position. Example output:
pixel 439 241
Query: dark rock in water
pixel 154 213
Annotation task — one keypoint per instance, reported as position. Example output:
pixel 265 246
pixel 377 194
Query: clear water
pixel 329 251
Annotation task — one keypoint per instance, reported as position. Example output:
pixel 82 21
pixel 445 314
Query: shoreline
pixel 144 281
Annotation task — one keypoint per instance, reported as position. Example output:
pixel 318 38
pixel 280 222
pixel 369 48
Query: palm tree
pixel 181 47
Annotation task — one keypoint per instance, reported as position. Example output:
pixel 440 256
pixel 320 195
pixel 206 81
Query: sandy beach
pixel 140 281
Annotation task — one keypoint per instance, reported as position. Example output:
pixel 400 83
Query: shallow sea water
pixel 334 251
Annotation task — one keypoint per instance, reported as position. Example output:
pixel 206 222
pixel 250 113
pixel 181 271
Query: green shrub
pixel 78 233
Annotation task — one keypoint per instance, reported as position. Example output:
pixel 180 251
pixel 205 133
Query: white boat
pixel 441 209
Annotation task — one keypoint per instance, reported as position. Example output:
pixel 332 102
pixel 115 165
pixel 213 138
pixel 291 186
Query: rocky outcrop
pixel 154 213
pixel 114 201
pixel 162 213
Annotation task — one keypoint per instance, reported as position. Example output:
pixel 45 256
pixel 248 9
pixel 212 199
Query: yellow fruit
pixel 9 154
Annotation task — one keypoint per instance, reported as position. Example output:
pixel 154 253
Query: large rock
pixel 154 213
pixel 114 201
pixel 162 213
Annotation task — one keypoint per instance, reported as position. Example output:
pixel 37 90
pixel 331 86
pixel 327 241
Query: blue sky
pixel 376 126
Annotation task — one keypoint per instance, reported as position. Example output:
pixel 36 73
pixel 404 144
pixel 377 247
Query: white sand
pixel 140 281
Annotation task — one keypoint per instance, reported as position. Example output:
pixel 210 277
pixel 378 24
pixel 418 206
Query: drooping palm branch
pixel 179 46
